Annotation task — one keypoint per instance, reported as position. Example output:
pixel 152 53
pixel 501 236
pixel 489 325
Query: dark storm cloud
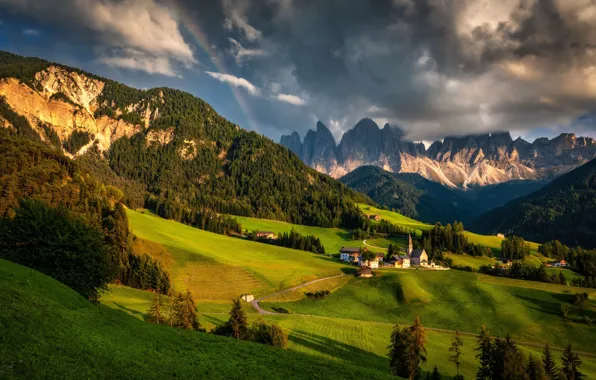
pixel 436 67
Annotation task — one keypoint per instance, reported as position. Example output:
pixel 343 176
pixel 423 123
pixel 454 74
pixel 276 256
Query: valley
pixel 143 235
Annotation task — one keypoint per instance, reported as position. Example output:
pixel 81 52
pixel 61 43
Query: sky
pixel 433 67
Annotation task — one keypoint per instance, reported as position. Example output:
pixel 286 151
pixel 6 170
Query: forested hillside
pixel 564 210
pixel 42 188
pixel 190 159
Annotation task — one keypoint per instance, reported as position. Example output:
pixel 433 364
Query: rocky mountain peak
pixel 456 161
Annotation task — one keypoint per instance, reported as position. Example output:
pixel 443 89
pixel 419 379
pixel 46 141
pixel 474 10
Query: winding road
pixel 255 303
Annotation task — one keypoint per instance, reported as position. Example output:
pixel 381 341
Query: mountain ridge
pixel 473 160
pixel 189 158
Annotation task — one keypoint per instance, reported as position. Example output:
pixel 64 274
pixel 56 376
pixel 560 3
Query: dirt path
pixel 255 303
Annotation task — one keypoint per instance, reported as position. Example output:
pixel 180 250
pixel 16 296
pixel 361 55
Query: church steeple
pixel 410 245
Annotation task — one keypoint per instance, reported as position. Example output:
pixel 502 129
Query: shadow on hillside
pixel 213 320
pixel 340 351
pixel 345 235
pixel 130 311
pixel 350 270
pixel 544 305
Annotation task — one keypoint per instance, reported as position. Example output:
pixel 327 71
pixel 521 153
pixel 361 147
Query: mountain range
pixel 457 162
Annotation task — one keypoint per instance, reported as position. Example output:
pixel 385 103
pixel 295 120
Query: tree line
pixel 449 238
pixel 498 359
pixel 292 239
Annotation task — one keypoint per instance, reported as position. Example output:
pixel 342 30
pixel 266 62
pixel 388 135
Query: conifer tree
pixel 550 366
pixel 485 355
pixel 435 374
pixel 570 364
pixel 189 313
pixel 238 322
pixel 397 352
pixel 177 311
pixel 416 352
pixel 455 349
pixel 155 314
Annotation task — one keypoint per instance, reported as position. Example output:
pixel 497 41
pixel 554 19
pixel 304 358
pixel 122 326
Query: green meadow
pixel 332 238
pixel 218 268
pixel 51 332
pixel 493 242
pixel 360 342
pixel 529 311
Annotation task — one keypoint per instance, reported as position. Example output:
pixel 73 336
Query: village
pixel 367 261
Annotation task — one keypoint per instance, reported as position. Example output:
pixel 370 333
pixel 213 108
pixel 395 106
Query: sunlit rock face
pixel 476 160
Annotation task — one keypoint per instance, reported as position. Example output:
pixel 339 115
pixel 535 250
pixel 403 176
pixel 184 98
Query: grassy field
pixel 332 238
pixel 50 332
pixel 217 268
pixel 493 242
pixel 568 273
pixel 471 261
pixel 530 311
pixel 364 343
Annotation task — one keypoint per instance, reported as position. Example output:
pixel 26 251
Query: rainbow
pixel 201 40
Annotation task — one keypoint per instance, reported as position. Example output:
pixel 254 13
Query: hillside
pixel 529 311
pixel 50 332
pixel 187 156
pixel 411 195
pixel 564 210
pixel 218 268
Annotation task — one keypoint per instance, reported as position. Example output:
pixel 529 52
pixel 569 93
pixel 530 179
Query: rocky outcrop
pixel 72 110
pixel 476 160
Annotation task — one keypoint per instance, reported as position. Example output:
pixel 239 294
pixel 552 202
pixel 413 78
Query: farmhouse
pixel 380 257
pixel 349 254
pixel 505 262
pixel 365 272
pixel 266 235
pixel 418 257
pixel 376 217
pixel 501 236
pixel 247 297
pixel 399 261
pixel 374 263
pixel 561 263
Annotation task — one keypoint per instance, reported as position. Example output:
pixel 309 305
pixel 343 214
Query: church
pixel 417 256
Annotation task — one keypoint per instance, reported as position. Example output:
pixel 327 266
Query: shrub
pixel 281 310
pixel 55 243
pixel 270 334
pixel 318 295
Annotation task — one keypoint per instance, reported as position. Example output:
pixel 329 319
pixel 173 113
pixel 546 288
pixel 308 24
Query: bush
pixel 270 334
pixel 55 243
pixel 318 295
pixel 281 310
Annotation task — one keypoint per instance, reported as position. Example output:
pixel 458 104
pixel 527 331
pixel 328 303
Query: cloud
pixel 147 27
pixel 30 32
pixel 156 65
pixel 235 81
pixel 240 53
pixel 292 99
pixel 236 19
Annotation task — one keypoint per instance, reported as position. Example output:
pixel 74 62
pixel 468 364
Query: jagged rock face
pixel 82 92
pixel 455 161
pixel 293 143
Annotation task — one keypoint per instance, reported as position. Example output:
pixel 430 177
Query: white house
pixel 373 264
pixel 349 254
pixel 247 297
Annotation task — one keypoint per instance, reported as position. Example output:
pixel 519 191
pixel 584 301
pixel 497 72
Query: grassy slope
pixel 530 311
pixel 47 331
pixel 363 343
pixel 216 267
pixel 471 261
pixel 493 242
pixel 332 238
